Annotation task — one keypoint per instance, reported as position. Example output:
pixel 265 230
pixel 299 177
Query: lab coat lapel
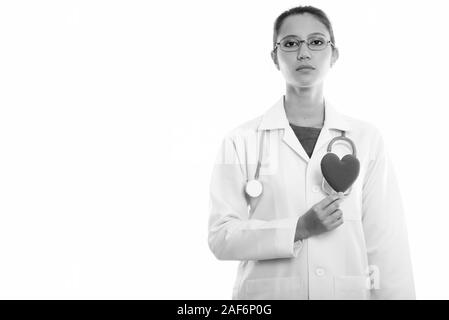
pixel 334 123
pixel 275 118
pixel 323 139
pixel 292 141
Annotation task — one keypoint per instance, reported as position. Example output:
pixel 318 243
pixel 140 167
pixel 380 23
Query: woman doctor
pixel 271 208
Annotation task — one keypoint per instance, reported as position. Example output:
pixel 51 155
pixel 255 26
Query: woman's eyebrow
pixel 317 33
pixel 311 34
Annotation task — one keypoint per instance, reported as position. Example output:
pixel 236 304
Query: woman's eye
pixel 316 42
pixel 289 44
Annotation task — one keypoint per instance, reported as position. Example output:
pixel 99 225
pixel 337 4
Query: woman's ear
pixel 335 55
pixel 275 58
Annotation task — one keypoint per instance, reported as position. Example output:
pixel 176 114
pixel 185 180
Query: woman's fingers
pixel 336 215
pixel 326 214
pixel 336 224
pixel 327 201
pixel 333 206
pixel 334 220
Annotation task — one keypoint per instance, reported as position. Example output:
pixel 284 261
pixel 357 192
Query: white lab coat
pixel 365 258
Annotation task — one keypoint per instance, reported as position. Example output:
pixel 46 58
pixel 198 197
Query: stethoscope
pixel 254 187
pixel 334 180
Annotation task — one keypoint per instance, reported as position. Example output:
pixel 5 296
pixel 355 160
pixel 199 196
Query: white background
pixel 111 113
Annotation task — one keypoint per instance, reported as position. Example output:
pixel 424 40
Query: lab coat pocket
pixel 274 288
pixel 351 287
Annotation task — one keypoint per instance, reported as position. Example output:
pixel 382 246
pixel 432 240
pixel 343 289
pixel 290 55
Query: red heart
pixel 340 174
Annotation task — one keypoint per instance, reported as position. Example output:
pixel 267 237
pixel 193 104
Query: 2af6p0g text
pixel 240 309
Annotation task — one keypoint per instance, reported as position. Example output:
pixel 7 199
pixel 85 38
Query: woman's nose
pixel 303 52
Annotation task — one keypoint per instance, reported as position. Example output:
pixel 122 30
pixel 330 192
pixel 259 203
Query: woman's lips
pixel 304 68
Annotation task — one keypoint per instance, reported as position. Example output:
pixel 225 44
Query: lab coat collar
pixel 276 118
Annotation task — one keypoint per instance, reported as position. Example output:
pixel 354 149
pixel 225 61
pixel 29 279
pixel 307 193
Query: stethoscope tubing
pixel 344 138
pixel 259 160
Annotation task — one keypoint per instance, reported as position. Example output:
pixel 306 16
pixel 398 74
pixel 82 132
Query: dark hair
pixel 319 14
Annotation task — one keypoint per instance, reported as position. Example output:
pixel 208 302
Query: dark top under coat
pixel 307 136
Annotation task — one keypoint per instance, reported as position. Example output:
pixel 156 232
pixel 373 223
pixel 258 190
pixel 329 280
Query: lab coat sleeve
pixel 385 229
pixel 232 234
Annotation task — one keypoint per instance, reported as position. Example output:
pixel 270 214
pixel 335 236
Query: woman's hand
pixel 322 217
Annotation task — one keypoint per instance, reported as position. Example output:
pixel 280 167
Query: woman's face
pixel 304 26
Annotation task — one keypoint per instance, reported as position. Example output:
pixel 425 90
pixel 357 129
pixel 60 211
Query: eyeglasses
pixel 293 44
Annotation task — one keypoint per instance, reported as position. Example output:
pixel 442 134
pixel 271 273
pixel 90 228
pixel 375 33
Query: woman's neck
pixel 305 106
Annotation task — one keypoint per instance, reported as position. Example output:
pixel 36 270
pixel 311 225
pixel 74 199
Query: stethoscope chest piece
pixel 340 174
pixel 254 188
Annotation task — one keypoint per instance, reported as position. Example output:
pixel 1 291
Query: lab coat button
pixel 315 188
pixel 320 272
